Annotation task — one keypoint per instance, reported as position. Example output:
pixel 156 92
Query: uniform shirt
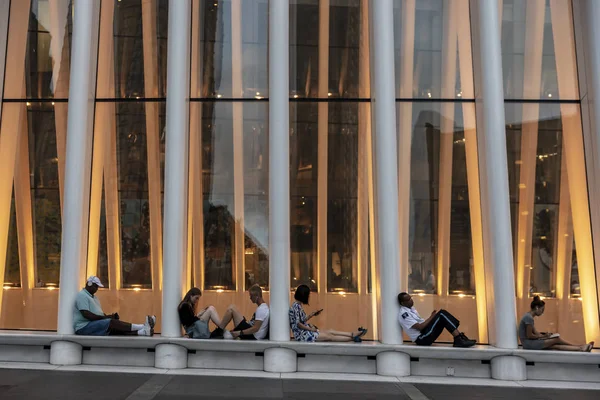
pixel 85 301
pixel 407 317
pixel 261 314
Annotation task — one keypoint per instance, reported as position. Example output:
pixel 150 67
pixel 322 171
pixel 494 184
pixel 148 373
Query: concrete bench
pixel 436 360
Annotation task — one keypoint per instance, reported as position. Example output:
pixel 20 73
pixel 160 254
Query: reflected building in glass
pixel 444 223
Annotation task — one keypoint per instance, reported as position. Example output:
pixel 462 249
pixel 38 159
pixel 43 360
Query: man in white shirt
pixel 424 332
pixel 258 326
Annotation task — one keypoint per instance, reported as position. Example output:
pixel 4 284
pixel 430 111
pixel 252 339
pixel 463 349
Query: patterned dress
pixel 297 315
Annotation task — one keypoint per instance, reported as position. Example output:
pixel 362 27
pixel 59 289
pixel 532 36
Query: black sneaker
pixel 217 334
pixel 463 341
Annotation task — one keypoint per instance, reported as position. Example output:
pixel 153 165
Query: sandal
pixel 361 332
pixel 356 339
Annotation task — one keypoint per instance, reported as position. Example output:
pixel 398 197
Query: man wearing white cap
pixel 89 319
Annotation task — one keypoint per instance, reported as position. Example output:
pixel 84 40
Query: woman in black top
pixel 196 325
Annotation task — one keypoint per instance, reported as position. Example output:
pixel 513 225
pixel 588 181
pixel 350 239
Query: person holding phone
pixel 305 332
pixel 196 325
pixel 258 326
pixel 531 339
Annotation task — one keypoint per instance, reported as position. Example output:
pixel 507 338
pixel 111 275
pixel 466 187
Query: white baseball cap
pixel 94 279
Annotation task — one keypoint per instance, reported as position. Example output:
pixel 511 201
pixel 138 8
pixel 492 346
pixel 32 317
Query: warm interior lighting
pixel 296 96
pixel 28 104
pixel 418 291
pixel 220 290
pixel 461 295
pixel 136 289
pixel 249 252
pixel 219 96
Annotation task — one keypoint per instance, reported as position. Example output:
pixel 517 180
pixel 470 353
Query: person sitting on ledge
pixel 258 326
pixel 424 332
pixel 304 332
pixel 531 339
pixel 196 325
pixel 89 319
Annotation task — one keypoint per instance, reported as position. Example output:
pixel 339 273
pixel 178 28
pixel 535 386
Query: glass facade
pixel 333 203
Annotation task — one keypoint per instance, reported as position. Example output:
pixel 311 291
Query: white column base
pixel 278 359
pixel 509 368
pixel 170 356
pixel 393 363
pixel 65 353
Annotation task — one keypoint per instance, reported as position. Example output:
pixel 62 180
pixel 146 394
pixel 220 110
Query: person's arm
pixel 533 334
pixel 249 331
pixel 93 317
pixel 421 325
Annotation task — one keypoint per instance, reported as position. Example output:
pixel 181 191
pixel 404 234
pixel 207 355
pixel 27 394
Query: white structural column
pixel 449 47
pixel 465 62
pixel 494 188
pixel 572 136
pixel 589 15
pixel 279 359
pixel 322 145
pixel 384 124
pixel 77 173
pixel 405 128
pixel 176 180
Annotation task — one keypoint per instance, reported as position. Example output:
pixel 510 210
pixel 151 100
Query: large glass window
pixel 303 187
pixel 529 29
pixel 140 45
pixel 12 276
pixel 48 49
pixel 440 229
pixel 45 193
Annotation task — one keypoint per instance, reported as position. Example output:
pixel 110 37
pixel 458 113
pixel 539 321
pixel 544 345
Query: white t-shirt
pixel 407 317
pixel 261 314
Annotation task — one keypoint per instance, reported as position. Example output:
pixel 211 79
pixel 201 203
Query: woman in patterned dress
pixel 305 332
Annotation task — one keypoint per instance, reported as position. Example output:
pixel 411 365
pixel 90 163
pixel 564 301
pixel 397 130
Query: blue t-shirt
pixel 85 301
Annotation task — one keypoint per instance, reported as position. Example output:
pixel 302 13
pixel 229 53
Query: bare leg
pixel 565 347
pixel 325 336
pixel 340 333
pixel 211 314
pixel 232 313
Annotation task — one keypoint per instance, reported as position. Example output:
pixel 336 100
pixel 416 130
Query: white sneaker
pixel 150 321
pixel 145 331
pixel 227 335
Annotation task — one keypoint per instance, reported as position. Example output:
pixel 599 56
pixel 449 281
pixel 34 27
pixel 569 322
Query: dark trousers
pixel 442 320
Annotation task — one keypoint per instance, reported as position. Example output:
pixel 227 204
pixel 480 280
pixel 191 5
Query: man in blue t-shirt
pixel 89 319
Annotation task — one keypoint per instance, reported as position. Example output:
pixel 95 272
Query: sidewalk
pixel 44 381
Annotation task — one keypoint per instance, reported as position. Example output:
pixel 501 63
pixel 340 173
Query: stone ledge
pixel 438 351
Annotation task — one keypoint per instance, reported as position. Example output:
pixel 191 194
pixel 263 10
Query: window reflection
pixel 12 273
pixel 103 246
pixel 424 199
pixel 130 37
pixel 256 201
pixel 574 288
pixel 342 202
pixel 303 189
pixel 438 129
pixel 540 254
pixel 462 278
pixel 132 169
pixel 231 38
pixel 48 49
pixel 218 195
pixel 45 197
pixel 519 28
pixel 430 32
pixel 344 26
